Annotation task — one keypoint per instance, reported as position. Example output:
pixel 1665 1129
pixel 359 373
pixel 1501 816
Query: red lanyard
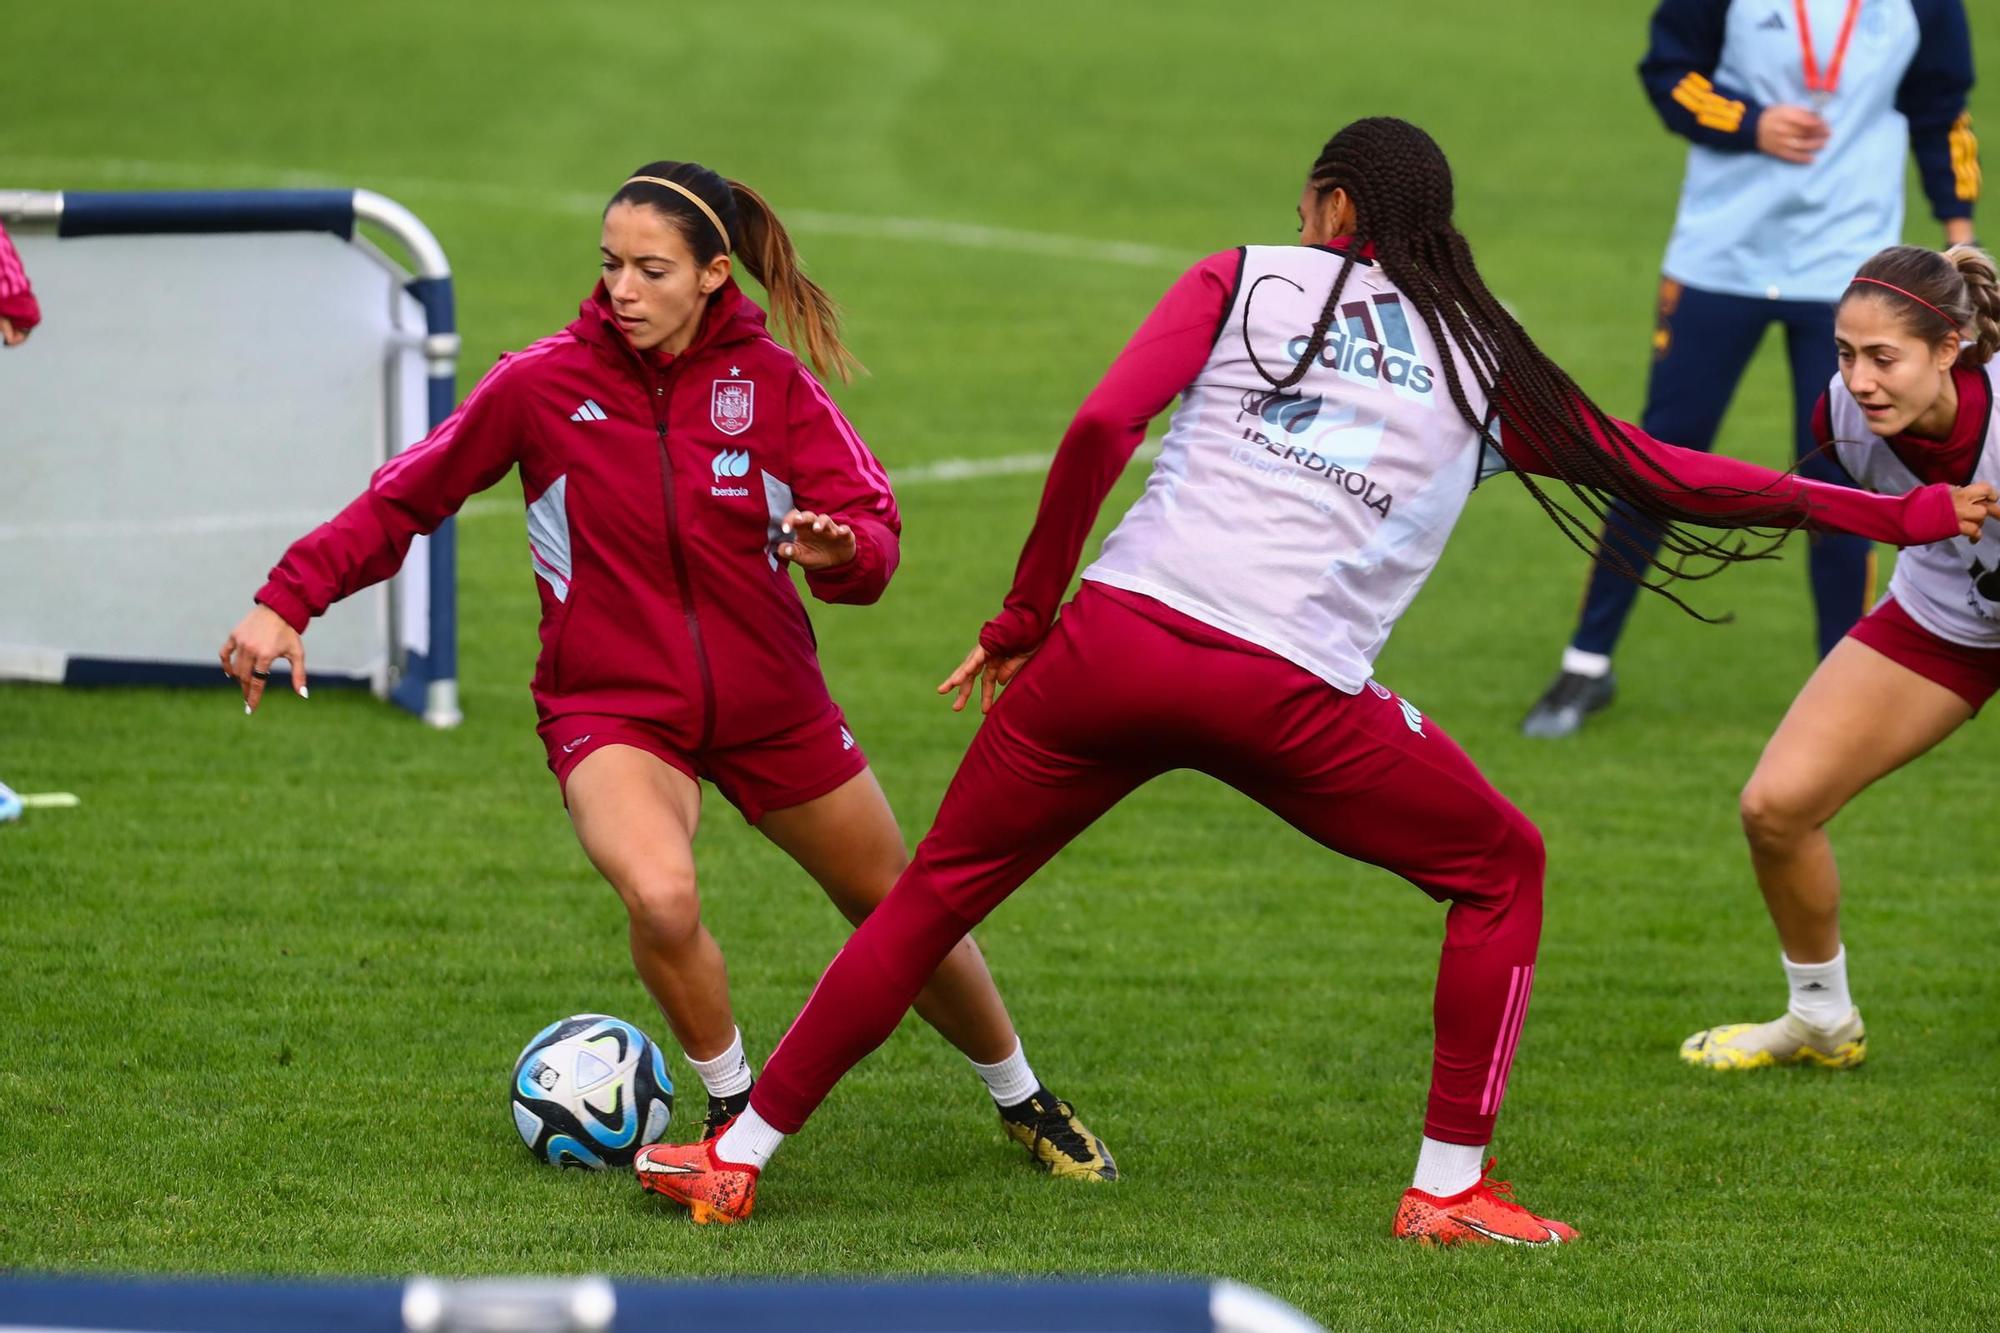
pixel 1822 86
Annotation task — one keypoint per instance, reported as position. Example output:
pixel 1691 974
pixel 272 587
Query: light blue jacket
pixel 1752 225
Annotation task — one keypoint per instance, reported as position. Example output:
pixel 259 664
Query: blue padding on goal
pixel 411 691
pixel 434 295
pixel 121 671
pixel 444 602
pixel 140 213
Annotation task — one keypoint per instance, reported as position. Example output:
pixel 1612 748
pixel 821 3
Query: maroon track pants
pixel 1125 689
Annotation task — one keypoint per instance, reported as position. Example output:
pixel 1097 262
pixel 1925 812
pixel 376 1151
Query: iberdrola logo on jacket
pixel 730 463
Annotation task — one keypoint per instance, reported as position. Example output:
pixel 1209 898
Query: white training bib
pixel 1305 521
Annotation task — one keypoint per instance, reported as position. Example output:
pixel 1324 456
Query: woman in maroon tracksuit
pixel 675 461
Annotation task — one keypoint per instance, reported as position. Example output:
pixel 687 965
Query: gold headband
pixel 693 198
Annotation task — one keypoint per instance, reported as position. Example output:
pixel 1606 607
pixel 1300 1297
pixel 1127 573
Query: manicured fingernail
pixel 305 692
pixel 246 710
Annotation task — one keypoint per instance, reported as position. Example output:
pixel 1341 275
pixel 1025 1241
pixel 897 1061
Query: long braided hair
pixel 1400 185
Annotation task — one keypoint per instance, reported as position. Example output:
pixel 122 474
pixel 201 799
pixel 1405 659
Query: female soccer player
pixel 1336 399
pixel 1914 402
pixel 675 459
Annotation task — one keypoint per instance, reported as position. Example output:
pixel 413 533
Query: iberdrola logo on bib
pixel 1294 412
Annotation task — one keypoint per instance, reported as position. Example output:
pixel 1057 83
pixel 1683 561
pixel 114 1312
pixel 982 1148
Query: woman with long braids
pixel 676 461
pixel 1338 403
pixel 1915 401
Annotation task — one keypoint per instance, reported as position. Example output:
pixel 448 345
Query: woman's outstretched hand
pixel 991 673
pixel 259 639
pixel 1975 503
pixel 815 541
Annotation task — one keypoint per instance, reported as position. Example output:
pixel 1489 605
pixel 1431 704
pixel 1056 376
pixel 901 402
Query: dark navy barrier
pixel 1136 1306
pixel 121 213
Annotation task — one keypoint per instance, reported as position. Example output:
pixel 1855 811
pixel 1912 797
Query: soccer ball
pixel 590 1091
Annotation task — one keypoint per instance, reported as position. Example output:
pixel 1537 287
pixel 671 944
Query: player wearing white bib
pixel 1917 400
pixel 1339 399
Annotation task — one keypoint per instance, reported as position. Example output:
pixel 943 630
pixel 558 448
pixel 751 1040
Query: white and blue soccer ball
pixel 590 1091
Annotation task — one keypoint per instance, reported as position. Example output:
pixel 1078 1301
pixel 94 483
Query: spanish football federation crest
pixel 731 406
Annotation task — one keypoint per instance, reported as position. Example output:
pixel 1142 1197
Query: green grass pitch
pixel 259 996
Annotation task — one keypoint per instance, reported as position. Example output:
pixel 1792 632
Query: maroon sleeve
pixel 411 493
pixel 17 297
pixel 1720 488
pixel 1822 421
pixel 1163 357
pixel 1821 426
pixel 834 473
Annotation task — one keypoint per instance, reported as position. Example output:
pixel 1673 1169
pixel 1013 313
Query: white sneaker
pixel 1782 1041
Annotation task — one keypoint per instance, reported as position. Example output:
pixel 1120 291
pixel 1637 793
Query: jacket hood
pixel 731 317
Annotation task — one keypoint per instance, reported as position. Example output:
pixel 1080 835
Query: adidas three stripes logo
pixel 590 411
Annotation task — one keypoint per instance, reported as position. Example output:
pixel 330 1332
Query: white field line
pixel 966 469
pixel 483 507
pixel 945 469
pixel 929 231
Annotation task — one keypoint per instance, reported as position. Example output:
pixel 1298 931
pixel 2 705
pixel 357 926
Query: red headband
pixel 1914 297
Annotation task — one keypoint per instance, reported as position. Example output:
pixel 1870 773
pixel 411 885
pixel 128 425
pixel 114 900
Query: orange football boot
pixel 1485 1214
pixel 690 1174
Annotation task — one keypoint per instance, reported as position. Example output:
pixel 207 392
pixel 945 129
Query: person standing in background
pixel 19 311
pixel 1797 112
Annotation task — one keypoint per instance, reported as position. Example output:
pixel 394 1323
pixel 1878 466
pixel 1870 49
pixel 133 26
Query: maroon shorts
pixel 790 768
pixel 1973 674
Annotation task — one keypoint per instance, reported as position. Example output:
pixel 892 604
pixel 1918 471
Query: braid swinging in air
pixel 1400 185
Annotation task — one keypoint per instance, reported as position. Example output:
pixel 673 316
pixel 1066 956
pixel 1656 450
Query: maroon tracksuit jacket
pixel 655 486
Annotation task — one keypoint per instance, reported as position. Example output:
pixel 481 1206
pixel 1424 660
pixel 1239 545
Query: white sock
pixel 748 1141
pixel 1579 663
pixel 1445 1169
pixel 727 1074
pixel 1819 991
pixel 1010 1081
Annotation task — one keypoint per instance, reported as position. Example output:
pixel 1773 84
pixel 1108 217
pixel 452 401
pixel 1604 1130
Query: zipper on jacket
pixel 682 577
